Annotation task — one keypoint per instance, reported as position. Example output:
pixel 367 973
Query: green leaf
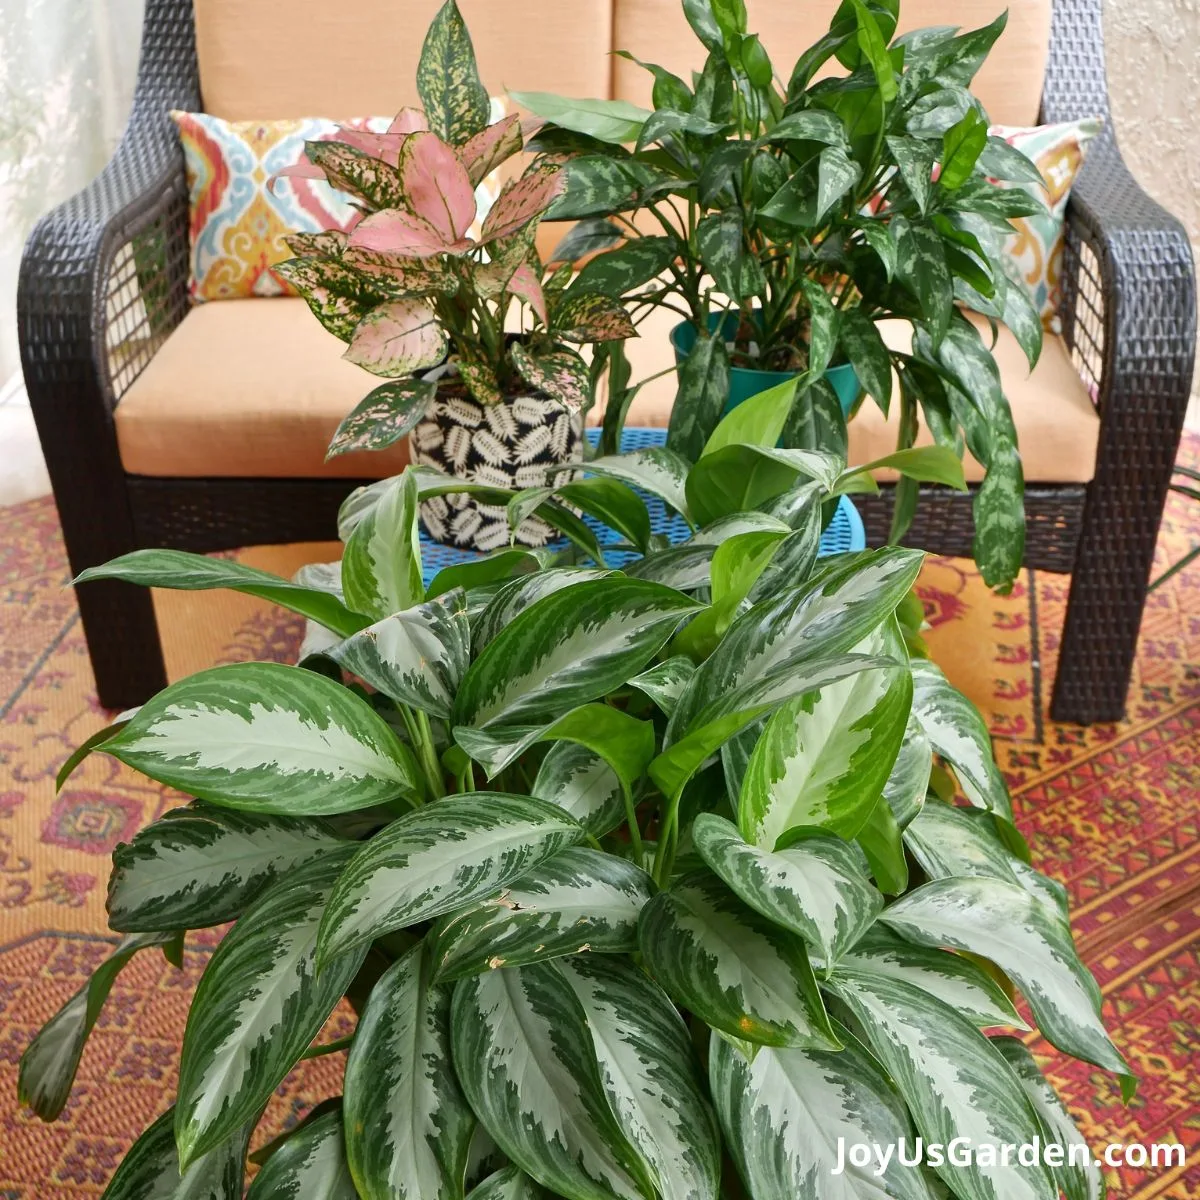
pixel 381 568
pixel 85 748
pixel 1023 319
pixel 721 242
pixel 824 757
pixel 311 1164
pixel 927 464
pixel 387 414
pixel 437 859
pixel 871 359
pixel 613 503
pixel 627 268
pixel 587 237
pixel 700 399
pixel 649 1073
pixel 1030 941
pixel 567 649
pixel 757 421
pixel 50 1061
pixel 873 44
pixel 416 657
pixel 598 185
pixel 955 1083
pixel 408 1125
pixel 267 738
pixel 258 1007
pixel 810 125
pixel 150 1168
pixel 916 160
pixel 478 572
pixel 455 101
pixel 196 572
pixel 954 979
pixel 195 868
pixel 688 565
pixel 732 967
pixel 1001 160
pixel 579 900
pixel 962 145
pixel 999 511
pixel 582 782
pixel 1080 1177
pixel 921 267
pixel 880 840
pixel 611 121
pixel 957 732
pixel 814 887
pixel 789 1114
pixel 527 1063
pixel 837 174
pixel 742 478
pixel 656 470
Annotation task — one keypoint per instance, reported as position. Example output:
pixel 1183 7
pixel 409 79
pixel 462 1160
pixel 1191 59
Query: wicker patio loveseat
pixel 203 427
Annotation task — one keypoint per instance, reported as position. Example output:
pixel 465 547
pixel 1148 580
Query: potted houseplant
pixel 423 304
pixel 636 881
pixel 791 217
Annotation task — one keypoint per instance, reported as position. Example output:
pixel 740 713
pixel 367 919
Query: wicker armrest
pixel 103 277
pixel 1129 310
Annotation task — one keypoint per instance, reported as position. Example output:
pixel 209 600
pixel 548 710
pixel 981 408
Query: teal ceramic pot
pixel 745 382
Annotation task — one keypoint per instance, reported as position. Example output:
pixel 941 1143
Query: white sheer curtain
pixel 67 71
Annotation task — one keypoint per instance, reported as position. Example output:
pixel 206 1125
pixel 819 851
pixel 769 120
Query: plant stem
pixel 635 833
pixel 341 1043
pixel 433 769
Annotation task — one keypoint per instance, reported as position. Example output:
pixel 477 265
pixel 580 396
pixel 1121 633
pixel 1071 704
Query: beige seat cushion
pixel 1009 85
pixel 1057 425
pixel 247 388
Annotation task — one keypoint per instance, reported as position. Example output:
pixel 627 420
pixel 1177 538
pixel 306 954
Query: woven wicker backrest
pixel 268 59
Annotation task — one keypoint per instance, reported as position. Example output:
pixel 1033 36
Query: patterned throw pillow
pixel 240 210
pixel 1036 249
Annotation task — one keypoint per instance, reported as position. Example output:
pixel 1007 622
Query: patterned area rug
pixel 1112 811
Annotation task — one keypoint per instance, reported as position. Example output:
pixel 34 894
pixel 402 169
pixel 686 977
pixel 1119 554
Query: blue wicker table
pixel 845 532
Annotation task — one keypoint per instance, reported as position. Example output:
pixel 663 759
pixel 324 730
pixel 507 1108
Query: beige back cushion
pixel 268 59
pixel 1010 84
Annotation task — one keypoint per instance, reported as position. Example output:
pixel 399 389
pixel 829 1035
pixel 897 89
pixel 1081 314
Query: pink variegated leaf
pixel 339 297
pixel 301 170
pixel 591 317
pixel 397 232
pixel 392 410
pixel 526 285
pixel 378 145
pixel 398 338
pixel 399 276
pixel 408 120
pixel 481 382
pixel 437 185
pixel 329 244
pixel 350 170
pixel 523 201
pixel 560 374
pixel 487 150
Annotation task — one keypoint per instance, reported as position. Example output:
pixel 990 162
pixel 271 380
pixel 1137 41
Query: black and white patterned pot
pixel 507 445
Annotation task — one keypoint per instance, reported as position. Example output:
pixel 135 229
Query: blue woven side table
pixel 845 532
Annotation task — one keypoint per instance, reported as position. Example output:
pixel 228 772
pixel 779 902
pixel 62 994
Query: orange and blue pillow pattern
pixel 238 216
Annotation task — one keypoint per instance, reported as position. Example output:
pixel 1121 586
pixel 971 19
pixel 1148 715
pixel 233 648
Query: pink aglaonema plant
pixel 426 279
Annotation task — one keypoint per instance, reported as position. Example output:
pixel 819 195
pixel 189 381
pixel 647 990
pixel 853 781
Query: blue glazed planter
pixel 745 382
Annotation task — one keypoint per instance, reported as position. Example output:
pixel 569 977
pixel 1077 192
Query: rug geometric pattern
pixel 1112 810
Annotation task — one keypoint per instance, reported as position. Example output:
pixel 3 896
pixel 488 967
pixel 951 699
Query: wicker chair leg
pixel 122 638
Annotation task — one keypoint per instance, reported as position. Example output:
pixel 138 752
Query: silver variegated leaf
pixel 1080 1177
pixel 650 1074
pixel 267 738
pixel 578 901
pixel 150 1168
pixel 310 1165
pixel 825 757
pixel 439 858
pixel 408 1125
pixel 1031 942
pixel 956 731
pixel 516 596
pixel 907 783
pixel 815 887
pixel 731 966
pixel 258 1007
pixel 527 1063
pixel 789 1115
pixel 957 981
pixel 198 867
pixel 656 470
pixel 510 1183
pixel 381 567
pixel 955 1082
pixel 688 565
pixel 582 782
pixel 417 656
pixel 665 682
pixel 569 648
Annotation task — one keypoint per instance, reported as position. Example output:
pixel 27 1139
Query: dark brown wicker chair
pixel 104 281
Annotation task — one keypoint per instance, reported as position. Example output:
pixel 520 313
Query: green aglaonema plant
pixel 645 883
pixel 410 288
pixel 792 218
